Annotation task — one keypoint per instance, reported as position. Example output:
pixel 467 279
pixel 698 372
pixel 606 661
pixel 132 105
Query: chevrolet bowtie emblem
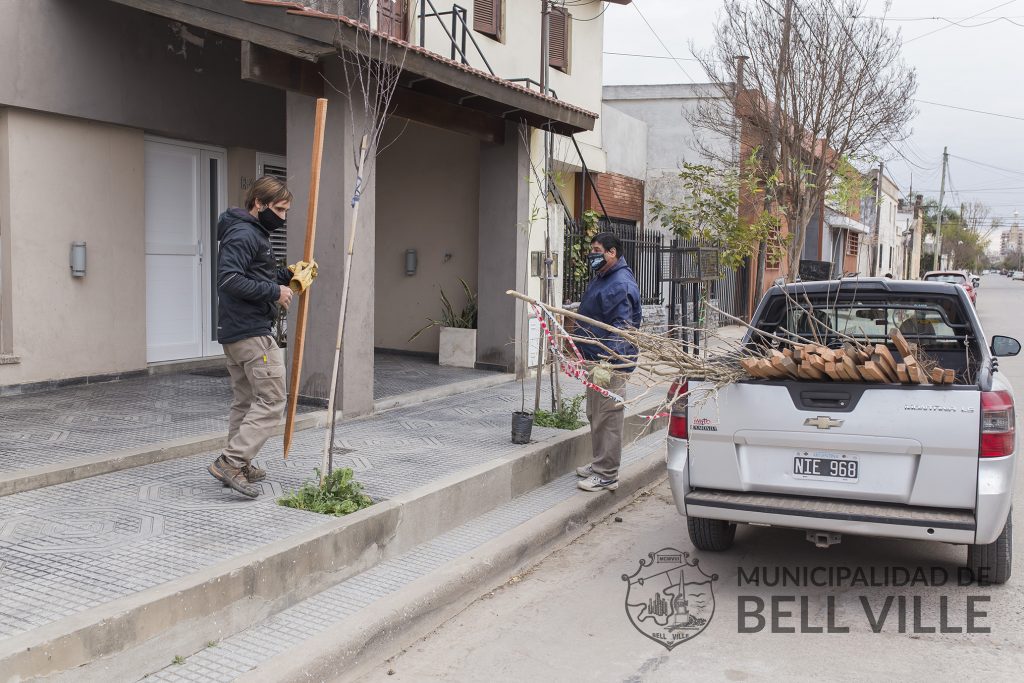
pixel 822 422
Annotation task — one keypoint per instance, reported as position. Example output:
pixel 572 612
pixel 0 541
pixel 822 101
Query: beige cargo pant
pixel 256 366
pixel 606 417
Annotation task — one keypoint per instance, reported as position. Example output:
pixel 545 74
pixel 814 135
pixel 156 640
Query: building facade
pixel 153 116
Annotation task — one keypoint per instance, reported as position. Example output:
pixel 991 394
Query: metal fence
pixel 641 248
pixel 664 269
pixel 686 261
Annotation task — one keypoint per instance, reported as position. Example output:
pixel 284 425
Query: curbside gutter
pixel 131 636
pixel 387 626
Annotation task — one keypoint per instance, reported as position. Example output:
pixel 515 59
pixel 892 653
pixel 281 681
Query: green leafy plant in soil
pixel 566 417
pixel 464 319
pixel 339 495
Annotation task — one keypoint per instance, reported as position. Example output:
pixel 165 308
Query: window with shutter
pixel 853 244
pixel 278 238
pixel 559 25
pixel 487 17
pixel 391 15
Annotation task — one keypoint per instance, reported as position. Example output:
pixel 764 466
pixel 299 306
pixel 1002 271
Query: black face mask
pixel 596 261
pixel 270 220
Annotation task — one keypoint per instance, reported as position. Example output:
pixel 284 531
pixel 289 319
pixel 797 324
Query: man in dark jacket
pixel 613 298
pixel 251 287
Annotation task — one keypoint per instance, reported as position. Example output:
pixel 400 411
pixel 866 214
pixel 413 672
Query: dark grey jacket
pixel 248 278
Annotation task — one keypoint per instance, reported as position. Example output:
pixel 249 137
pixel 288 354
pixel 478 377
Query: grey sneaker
pixel 585 471
pixel 596 483
pixel 233 477
pixel 252 474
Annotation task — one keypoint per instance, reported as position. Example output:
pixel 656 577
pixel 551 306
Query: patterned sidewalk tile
pixel 67 548
pixel 66 424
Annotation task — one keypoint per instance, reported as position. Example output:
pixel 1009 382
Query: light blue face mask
pixel 596 261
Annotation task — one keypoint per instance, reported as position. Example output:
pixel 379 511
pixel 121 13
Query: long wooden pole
pixel 299 340
pixel 332 397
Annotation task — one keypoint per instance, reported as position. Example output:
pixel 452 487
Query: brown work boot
pixel 233 477
pixel 253 474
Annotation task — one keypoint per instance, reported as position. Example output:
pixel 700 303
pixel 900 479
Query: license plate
pixel 826 466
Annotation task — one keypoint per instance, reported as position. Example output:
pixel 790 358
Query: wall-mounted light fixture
pixel 410 262
pixel 77 259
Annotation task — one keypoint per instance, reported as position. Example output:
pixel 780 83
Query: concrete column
pixel 334 218
pixel 504 255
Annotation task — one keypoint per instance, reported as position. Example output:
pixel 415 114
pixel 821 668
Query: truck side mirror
pixel 1005 346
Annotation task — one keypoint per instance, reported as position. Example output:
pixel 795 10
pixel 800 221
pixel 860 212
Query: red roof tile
pixel 299 9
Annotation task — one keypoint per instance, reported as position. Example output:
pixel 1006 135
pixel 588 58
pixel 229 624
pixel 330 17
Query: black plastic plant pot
pixel 522 427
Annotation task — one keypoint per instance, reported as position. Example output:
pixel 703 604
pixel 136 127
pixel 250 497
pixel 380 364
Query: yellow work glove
pixel 303 275
pixel 601 375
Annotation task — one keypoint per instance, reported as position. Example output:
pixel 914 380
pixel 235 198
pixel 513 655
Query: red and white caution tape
pixel 574 367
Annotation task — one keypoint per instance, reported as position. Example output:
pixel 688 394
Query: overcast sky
pixel 977 68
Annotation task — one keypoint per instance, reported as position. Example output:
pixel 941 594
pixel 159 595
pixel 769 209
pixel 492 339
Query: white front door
pixel 184 194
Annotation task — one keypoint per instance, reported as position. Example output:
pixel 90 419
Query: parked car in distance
pixel 1018 275
pixel 956 277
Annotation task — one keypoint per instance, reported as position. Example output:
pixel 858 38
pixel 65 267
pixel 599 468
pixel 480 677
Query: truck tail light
pixel 997 424
pixel 677 422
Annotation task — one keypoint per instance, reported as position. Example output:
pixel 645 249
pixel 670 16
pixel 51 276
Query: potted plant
pixel 457 347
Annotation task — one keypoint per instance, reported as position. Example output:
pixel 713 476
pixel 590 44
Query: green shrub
pixel 566 417
pixel 339 495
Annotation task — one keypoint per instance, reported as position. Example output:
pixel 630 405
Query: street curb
pixel 133 635
pixel 29 479
pixel 368 638
pixel 444 391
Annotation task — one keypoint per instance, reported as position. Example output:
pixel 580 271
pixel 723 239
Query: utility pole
pixel 745 270
pixel 952 258
pixel 876 253
pixel 942 195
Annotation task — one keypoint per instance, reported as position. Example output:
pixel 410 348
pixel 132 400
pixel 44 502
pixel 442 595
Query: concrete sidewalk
pixel 81 562
pixel 159 555
pixel 76 432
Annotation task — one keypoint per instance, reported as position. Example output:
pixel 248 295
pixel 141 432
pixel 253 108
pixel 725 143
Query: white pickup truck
pixel 921 462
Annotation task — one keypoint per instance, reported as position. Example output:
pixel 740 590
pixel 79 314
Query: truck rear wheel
pixel 710 534
pixel 992 562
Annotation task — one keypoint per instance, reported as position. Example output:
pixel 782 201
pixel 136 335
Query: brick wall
pixel 623 196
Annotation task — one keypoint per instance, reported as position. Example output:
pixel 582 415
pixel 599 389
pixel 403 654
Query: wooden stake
pixel 298 343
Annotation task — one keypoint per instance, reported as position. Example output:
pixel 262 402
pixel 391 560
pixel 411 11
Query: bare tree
pixel 820 83
pixel 372 67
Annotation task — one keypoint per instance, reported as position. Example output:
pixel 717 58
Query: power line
pixel 631 54
pixel 658 38
pixel 943 28
pixel 981 163
pixel 975 111
pixel 952 19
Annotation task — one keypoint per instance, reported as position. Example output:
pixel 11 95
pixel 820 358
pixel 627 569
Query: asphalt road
pixel 566 619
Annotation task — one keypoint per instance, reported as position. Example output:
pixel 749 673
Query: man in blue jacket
pixel 613 298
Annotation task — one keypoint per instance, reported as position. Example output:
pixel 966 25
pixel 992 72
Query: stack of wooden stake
pixel 854 362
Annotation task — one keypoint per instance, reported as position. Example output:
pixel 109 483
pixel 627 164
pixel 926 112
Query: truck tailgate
pixel 891 443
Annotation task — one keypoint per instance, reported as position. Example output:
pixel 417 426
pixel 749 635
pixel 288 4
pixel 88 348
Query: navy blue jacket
pixel 613 297
pixel 248 278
